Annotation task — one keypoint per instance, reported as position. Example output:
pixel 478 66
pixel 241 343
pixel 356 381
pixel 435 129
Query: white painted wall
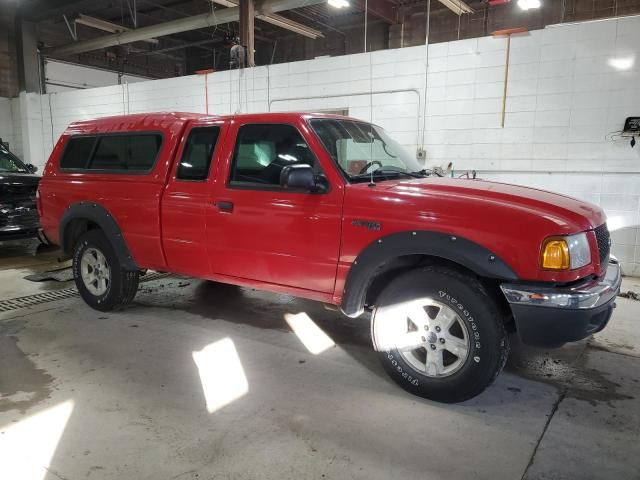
pixel 18 140
pixel 564 97
pixel 64 77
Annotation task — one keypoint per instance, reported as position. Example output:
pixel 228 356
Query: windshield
pixel 365 152
pixel 10 163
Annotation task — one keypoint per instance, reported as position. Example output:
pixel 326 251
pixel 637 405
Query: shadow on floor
pixel 218 301
pixel 29 253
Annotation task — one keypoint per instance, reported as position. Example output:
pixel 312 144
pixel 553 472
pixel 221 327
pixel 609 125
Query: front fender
pixel 375 256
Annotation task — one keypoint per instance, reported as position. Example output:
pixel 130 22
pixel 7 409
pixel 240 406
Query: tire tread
pixel 124 283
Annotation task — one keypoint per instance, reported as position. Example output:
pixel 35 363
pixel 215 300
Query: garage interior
pixel 526 92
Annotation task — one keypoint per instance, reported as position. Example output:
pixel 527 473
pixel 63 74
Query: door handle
pixel 224 205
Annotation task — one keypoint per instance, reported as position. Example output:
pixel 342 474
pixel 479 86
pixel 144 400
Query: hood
pixel 569 214
pixel 508 220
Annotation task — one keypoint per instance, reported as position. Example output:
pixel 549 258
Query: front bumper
pixel 550 316
pixel 18 222
pixel 7 234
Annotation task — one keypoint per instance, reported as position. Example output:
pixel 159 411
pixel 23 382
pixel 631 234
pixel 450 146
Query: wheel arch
pixel 388 256
pixel 84 216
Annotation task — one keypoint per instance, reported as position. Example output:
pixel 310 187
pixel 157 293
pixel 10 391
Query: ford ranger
pixel 332 209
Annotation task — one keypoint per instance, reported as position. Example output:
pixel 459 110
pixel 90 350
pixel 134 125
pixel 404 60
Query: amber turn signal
pixel 555 255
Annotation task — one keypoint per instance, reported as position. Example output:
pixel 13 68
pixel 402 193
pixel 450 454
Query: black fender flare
pixel 99 215
pixel 376 255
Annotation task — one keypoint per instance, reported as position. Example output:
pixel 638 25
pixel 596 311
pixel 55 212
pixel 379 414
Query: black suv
pixel 18 185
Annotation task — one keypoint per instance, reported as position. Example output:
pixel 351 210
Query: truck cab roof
pixel 160 119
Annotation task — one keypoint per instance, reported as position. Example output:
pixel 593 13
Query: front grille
pixel 21 218
pixel 604 242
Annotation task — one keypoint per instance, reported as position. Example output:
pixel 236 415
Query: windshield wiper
pixel 387 171
pixel 382 173
pixel 423 173
pixel 379 174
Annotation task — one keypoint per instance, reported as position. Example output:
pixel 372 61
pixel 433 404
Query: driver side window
pixel 263 150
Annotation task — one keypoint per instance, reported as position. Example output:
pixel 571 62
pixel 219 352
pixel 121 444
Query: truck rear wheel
pixel 439 335
pixel 102 282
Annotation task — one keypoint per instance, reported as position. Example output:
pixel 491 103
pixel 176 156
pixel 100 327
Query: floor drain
pixel 153 276
pixel 53 295
pixel 38 298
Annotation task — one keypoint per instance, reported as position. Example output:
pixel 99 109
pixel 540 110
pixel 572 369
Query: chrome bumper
pixel 586 295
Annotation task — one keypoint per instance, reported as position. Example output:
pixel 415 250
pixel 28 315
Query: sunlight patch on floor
pixel 221 374
pixel 27 447
pixel 311 336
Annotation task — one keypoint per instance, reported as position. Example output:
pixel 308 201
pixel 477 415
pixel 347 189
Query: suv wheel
pixel 99 276
pixel 439 335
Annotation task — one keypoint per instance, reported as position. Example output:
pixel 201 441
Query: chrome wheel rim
pixel 429 335
pixel 95 271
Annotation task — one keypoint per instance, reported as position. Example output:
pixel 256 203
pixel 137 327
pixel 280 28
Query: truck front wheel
pixel 439 335
pixel 102 282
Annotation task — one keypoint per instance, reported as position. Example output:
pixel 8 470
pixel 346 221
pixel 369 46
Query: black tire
pixel 488 345
pixel 123 284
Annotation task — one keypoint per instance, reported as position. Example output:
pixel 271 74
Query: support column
pixel 28 60
pixel 247 35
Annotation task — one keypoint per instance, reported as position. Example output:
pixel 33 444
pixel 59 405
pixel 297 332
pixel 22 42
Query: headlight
pixel 566 253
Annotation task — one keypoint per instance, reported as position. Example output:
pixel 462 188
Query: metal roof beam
pixel 381 9
pixel 279 21
pixel 194 22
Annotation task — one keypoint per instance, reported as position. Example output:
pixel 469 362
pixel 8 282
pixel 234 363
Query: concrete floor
pixel 198 380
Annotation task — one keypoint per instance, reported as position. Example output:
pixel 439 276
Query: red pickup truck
pixel 332 209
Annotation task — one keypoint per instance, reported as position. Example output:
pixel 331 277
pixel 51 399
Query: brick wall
pixel 8 62
pixel 564 97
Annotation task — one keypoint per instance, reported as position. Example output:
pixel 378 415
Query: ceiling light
pixel 106 26
pixel 338 3
pixel 457 6
pixel 285 23
pixel 529 4
pixel 100 24
pixel 622 63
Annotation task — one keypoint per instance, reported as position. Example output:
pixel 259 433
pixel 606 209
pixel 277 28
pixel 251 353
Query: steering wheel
pixel 369 165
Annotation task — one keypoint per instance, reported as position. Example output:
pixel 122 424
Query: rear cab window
pixel 77 153
pixel 113 152
pixel 200 145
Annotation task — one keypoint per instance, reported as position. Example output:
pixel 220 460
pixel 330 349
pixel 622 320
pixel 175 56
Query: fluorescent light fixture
pixel 106 26
pixel 457 6
pixel 622 63
pixel 310 334
pixel 529 4
pixel 221 374
pixel 283 22
pixel 338 3
pixel 100 24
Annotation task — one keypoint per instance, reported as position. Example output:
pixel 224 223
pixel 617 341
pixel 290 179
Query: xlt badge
pixel 369 224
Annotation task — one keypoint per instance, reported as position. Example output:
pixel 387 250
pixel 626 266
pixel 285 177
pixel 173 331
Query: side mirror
pixel 32 168
pixel 300 177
